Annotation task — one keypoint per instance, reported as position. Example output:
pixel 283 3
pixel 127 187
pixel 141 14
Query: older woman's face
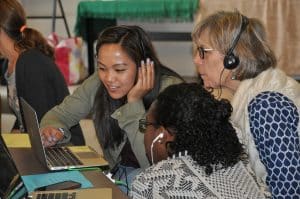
pixel 211 65
pixel 116 70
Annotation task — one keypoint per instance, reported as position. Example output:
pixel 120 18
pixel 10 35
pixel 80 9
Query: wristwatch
pixel 62 131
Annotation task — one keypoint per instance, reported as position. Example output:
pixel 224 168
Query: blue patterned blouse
pixel 273 123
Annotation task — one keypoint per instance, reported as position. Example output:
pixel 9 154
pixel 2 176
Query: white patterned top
pixel 181 177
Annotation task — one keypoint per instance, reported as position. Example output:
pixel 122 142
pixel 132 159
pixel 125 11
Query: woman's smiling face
pixel 116 70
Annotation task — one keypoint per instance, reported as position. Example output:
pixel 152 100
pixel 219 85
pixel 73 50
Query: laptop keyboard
pixel 61 156
pixel 64 195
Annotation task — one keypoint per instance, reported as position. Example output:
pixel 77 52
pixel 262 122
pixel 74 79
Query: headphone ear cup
pixel 231 61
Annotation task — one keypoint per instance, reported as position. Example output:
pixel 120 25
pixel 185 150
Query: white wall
pixel 176 55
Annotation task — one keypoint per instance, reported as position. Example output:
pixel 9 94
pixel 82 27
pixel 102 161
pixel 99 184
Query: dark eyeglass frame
pixel 143 125
pixel 202 51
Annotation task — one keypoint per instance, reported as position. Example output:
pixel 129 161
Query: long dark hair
pixel 135 42
pixel 201 125
pixel 12 19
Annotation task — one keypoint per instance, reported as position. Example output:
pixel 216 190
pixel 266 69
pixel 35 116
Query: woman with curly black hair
pixel 194 149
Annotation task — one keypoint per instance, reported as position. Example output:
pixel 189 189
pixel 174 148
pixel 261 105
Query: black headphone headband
pixel 230 60
pixel 245 22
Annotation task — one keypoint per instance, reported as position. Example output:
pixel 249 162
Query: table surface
pixel 23 155
pixel 16 140
pixel 27 164
pixel 147 10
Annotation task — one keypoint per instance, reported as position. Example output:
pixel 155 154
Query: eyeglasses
pixel 202 51
pixel 143 125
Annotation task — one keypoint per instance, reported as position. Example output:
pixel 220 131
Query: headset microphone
pixel 161 135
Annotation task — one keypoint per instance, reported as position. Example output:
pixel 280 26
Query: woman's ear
pixel 165 135
pixel 167 142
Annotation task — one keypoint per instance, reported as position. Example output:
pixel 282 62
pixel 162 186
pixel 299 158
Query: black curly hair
pixel 201 125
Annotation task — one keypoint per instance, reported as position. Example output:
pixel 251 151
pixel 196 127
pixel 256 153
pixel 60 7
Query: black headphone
pixel 230 60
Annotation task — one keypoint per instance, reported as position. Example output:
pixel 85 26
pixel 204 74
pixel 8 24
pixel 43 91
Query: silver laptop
pixel 58 158
pixel 104 193
pixel 12 185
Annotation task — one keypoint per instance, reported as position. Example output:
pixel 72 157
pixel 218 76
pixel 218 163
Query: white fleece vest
pixel 269 80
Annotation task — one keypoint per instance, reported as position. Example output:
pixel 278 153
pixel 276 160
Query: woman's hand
pixel 50 136
pixel 145 81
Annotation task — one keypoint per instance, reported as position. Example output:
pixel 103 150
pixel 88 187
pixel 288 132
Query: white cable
pixel 161 135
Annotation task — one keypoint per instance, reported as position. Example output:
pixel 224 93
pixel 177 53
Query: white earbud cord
pixel 161 135
pixel 152 161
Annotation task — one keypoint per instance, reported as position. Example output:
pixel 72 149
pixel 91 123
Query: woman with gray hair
pixel 234 53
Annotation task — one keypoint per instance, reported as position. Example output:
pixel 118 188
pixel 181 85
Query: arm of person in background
pixel 273 123
pixel 74 108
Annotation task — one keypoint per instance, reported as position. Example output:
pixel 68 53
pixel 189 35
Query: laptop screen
pixel 9 176
pixel 32 126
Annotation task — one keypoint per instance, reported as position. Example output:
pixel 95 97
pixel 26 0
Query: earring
pixel 234 76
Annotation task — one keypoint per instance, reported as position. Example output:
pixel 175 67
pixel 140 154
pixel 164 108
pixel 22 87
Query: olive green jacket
pixel 78 105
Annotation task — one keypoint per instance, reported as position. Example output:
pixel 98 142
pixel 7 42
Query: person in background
pixel 31 71
pixel 129 77
pixel 234 53
pixel 193 147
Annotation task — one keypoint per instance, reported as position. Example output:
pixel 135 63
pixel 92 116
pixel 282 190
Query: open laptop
pixel 9 177
pixel 58 158
pixel 12 185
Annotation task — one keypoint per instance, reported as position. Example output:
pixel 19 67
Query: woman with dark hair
pixel 31 71
pixel 233 53
pixel 128 79
pixel 193 147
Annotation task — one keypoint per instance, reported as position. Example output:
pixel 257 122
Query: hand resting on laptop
pixel 50 136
